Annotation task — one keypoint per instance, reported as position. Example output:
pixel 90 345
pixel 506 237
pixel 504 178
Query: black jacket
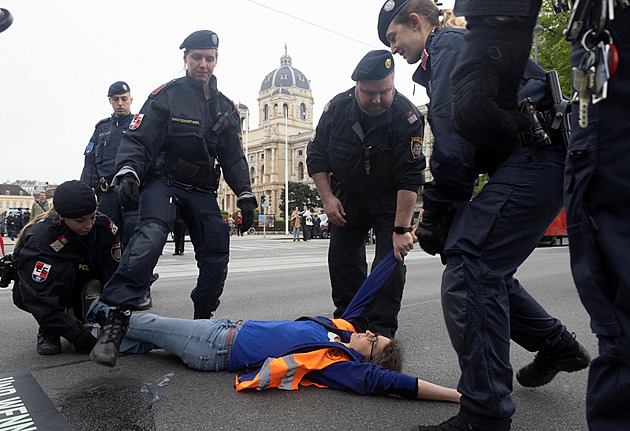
pixel 178 121
pixel 395 160
pixel 455 164
pixel 53 263
pixel 100 153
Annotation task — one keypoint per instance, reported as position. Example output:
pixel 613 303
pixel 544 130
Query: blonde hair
pixel 439 18
pixel 452 20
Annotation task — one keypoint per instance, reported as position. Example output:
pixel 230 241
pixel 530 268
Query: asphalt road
pixel 275 278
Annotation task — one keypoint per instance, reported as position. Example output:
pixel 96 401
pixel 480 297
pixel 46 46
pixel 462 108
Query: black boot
pixel 145 302
pixel 202 314
pixel 112 333
pixel 569 356
pixel 456 423
pixel 48 344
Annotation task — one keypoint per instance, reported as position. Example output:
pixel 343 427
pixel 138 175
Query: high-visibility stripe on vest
pixel 288 371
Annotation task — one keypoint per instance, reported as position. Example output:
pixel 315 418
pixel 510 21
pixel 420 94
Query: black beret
pixel 5 19
pixel 74 199
pixel 202 39
pixel 386 15
pixel 374 66
pixel 118 87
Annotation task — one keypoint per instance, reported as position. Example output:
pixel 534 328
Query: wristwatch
pixel 401 229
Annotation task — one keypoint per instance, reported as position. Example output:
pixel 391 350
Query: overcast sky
pixel 58 59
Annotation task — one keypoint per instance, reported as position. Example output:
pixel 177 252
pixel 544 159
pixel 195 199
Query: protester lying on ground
pixel 284 354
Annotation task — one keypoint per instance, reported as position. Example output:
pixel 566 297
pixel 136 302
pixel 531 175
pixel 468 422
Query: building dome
pixel 285 76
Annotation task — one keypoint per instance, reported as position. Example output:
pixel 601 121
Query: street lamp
pixel 538 29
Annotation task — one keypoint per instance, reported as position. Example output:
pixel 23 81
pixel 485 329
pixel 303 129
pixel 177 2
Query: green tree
pixel 554 52
pixel 300 194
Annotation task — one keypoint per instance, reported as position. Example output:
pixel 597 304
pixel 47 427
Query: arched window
pixel 300 171
pixel 266 112
pixel 302 111
pixel 285 110
pixel 252 175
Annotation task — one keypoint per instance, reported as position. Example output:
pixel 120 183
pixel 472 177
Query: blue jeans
pixel 201 344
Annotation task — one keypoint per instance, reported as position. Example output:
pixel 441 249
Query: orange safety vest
pixel 288 371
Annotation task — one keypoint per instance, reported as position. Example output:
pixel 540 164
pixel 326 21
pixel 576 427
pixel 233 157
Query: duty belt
pixel 196 188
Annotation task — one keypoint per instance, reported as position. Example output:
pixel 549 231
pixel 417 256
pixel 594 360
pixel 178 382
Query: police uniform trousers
pixel 347 263
pixel 483 304
pixel 125 220
pixel 597 198
pixel 208 233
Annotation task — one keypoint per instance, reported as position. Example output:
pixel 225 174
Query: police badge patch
pixel 416 147
pixel 116 252
pixel 41 271
pixel 89 148
pixel 135 123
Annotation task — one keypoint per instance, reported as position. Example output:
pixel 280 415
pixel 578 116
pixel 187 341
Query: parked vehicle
pixel 323 225
pixel 556 233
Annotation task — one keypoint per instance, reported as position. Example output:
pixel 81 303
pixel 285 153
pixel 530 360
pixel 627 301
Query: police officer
pixel 370 138
pixel 62 262
pixel 100 159
pixel 486 239
pixel 172 150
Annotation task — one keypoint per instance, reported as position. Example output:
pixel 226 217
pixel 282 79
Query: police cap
pixel 74 199
pixel 201 39
pixel 386 15
pixel 118 87
pixel 374 65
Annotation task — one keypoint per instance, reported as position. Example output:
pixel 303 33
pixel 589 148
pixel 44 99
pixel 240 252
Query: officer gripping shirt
pixel 371 158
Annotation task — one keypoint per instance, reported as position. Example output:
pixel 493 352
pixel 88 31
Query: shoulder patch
pixel 59 243
pixel 411 116
pixel 157 90
pixel 89 148
pixel 135 123
pixel 101 121
pixel 112 227
pixel 41 271
pixel 327 107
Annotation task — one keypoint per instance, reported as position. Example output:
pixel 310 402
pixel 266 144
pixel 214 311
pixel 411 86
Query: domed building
pixel 285 118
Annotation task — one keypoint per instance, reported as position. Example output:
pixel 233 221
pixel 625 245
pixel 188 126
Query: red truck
pixel 556 233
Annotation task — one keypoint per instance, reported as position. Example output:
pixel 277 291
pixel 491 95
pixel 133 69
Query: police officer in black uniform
pixel 597 184
pixel 100 160
pixel 483 240
pixel 61 263
pixel 172 151
pixel 370 138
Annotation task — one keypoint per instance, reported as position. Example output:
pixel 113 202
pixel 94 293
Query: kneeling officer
pixel 62 259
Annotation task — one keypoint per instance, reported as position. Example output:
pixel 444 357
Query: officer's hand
pixel 403 244
pixel 128 192
pixel 84 342
pixel 334 210
pixel 432 232
pixel 247 203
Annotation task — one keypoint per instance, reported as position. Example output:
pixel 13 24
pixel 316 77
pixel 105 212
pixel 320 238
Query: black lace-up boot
pixel 112 333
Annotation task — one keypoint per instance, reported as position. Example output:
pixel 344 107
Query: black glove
pixel 84 342
pixel 128 193
pixel 432 232
pixel 247 203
